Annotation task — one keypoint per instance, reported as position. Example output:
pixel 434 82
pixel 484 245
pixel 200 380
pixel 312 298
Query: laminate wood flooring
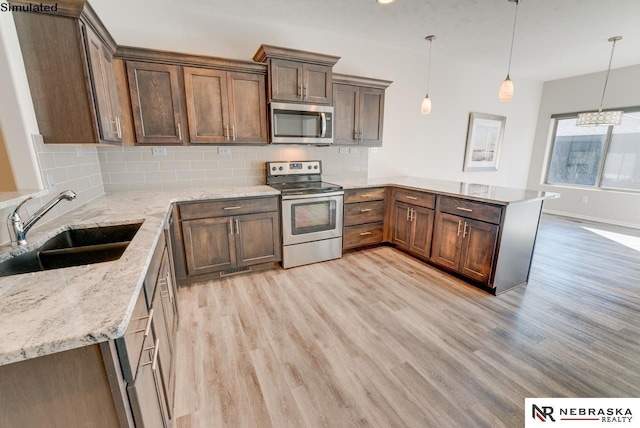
pixel 379 339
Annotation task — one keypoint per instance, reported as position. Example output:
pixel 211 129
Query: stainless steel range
pixel 311 212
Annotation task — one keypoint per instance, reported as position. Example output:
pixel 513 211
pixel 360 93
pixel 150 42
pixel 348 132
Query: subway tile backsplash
pixel 136 168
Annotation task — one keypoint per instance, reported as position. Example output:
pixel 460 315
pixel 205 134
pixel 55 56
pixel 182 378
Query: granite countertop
pixel 46 312
pixel 483 192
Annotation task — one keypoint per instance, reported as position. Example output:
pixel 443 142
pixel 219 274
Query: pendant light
pixel 602 118
pixel 506 89
pixel 425 108
pixel 385 1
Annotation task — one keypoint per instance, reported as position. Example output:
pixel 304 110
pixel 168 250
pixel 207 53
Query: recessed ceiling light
pixel 385 1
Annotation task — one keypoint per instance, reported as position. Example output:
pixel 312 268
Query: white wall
pixel 17 116
pixel 583 93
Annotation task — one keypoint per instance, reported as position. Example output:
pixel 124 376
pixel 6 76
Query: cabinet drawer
pixel 364 234
pixel 363 212
pixel 129 345
pixel 227 207
pixel 362 195
pixel 469 209
pixel 426 200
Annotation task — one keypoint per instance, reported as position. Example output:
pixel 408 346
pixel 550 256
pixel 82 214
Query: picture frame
pixel 484 142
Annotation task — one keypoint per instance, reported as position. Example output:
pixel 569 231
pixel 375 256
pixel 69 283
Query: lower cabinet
pixel 363 217
pixel 215 242
pixel 465 245
pixel 413 228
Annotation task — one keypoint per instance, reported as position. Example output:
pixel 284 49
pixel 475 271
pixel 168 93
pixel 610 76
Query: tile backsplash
pixel 137 168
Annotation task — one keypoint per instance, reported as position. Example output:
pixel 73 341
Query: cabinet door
pixel 478 249
pixel 447 240
pixel 346 100
pixel 207 105
pixel 317 84
pixel 209 245
pixel 146 394
pixel 155 102
pixel 371 116
pixel 248 107
pixel 421 231
pixel 286 80
pixel 161 333
pixel 104 87
pixel 257 238
pixel 401 225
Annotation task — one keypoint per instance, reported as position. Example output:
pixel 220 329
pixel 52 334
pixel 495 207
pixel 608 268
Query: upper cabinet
pixel 298 76
pixel 68 64
pixel 225 107
pixel 359 110
pixel 155 102
pixel 185 99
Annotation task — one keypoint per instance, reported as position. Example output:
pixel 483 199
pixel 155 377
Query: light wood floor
pixel 380 339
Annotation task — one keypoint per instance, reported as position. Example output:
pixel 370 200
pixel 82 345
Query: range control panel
pixel 294 168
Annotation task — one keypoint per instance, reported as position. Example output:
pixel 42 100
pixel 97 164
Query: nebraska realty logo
pixel 28 7
pixel 580 412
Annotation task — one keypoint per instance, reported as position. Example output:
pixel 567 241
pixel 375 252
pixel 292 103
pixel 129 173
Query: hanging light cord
pixel 429 66
pixel 513 35
pixel 606 79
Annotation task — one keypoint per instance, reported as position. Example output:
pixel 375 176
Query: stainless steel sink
pixel 74 247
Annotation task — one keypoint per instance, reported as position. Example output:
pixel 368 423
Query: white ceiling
pixel 554 38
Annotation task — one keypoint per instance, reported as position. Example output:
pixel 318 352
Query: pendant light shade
pixel 385 1
pixel 602 118
pixel 506 89
pixel 425 108
pixel 426 105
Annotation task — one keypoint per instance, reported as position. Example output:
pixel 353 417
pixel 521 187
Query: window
pixel 605 157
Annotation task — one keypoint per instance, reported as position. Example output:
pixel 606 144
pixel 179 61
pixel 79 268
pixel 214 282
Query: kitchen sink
pixel 74 247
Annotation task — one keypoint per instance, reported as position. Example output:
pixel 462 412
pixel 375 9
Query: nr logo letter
pixel 543 413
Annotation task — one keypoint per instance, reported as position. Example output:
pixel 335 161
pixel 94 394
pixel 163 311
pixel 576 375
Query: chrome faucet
pixel 18 230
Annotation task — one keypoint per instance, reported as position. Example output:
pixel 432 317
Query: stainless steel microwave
pixel 301 123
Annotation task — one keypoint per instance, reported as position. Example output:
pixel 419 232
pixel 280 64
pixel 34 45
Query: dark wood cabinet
pixel 364 211
pixel 413 228
pixel 358 110
pixel 68 65
pixel 298 81
pixel 155 103
pixel 465 245
pixel 298 76
pixel 104 87
pixel 217 244
pixel 225 107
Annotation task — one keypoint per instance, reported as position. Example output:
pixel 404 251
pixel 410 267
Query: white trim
pixel 589 218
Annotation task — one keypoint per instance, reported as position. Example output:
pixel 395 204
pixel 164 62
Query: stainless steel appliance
pixel 301 123
pixel 311 212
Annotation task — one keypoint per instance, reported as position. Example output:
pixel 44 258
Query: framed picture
pixel 484 140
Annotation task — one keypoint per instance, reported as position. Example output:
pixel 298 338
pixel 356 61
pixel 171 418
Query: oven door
pixel 312 217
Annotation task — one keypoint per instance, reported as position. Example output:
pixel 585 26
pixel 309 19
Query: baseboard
pixel 592 219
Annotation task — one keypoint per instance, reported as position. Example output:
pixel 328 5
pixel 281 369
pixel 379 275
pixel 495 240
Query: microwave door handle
pixel 324 125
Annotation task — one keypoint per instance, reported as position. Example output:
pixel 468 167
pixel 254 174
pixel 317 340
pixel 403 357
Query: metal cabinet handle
pixel 413 198
pixel 233 132
pixel 466 233
pixel 119 125
pixel 408 214
pixel 305 92
pixel 170 287
pixel 230 226
pixel 464 209
pixel 154 360
pixel 413 214
pixel 366 210
pixel 459 226
pixel 237 227
pixel 179 132
pixel 300 90
pixel 227 134
pixel 147 328
pixel 235 207
pixel 365 233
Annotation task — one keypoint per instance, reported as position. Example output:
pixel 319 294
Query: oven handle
pixel 313 195
pixel 324 125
